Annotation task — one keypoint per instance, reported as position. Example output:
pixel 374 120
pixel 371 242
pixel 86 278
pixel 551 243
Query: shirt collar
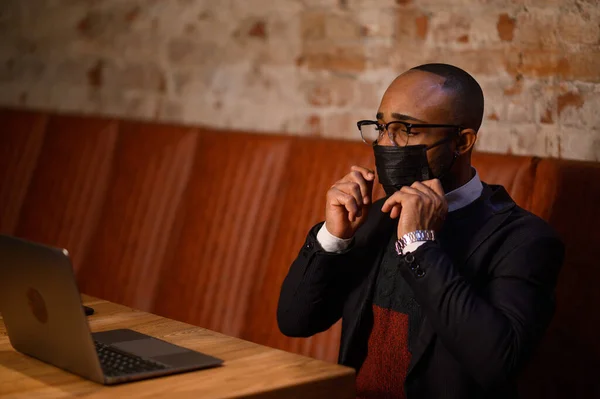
pixel 466 194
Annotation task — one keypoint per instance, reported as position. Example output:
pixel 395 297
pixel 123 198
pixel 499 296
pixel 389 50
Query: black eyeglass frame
pixel 408 125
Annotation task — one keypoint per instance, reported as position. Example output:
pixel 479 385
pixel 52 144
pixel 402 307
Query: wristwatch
pixel 414 236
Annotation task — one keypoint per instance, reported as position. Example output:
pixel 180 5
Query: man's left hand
pixel 422 206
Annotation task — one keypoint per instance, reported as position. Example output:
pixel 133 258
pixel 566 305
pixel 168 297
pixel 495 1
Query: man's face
pixel 418 97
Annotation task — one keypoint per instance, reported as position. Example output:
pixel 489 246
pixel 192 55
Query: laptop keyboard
pixel 117 363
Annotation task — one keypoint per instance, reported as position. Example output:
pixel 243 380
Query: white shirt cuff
pixel 412 247
pixel 331 243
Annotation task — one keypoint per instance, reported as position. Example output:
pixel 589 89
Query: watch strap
pixel 413 236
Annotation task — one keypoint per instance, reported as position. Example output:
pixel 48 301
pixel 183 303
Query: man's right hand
pixel 348 202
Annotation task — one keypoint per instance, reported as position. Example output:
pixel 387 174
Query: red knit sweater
pixel 384 370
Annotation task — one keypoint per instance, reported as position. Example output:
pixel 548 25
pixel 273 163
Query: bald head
pixel 436 93
pixel 465 92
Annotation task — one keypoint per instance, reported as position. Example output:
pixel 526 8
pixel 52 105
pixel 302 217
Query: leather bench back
pixel 201 225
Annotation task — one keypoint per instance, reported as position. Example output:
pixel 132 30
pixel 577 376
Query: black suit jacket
pixel 483 317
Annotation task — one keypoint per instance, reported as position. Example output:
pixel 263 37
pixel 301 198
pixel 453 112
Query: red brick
pixel 477 62
pixel 530 139
pixel 312 25
pixel 139 76
pixel 168 110
pixel 319 96
pixel 445 27
pixel 377 23
pixel 583 65
pixel 329 56
pixel 342 27
pixel 547 116
pixel 505 27
pixel 258 30
pixel 536 29
pixel 368 95
pixel 387 56
pixel 537 63
pixel 190 29
pixel 84 26
pixel 575 144
pixel 517 88
pixel 411 25
pixel 182 51
pixel 314 125
pixel 310 124
pixel 95 74
pixel 577 28
pixel 421 23
pixel 342 126
pixel 568 100
pixel 579 107
pixel 333 91
pixel 133 14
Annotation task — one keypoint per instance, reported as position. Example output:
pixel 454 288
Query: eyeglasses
pixel 400 133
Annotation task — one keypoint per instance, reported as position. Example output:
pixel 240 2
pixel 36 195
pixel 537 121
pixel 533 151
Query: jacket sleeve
pixel 314 291
pixel 492 331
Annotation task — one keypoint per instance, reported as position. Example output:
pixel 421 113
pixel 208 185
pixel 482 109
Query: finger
pixel 368 174
pixel 438 200
pixel 351 188
pixel 395 211
pixel 395 199
pixel 435 185
pixel 412 191
pixel 425 190
pixel 366 187
pixel 348 202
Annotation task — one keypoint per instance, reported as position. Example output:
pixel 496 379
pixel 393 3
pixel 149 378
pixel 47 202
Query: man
pixel 444 286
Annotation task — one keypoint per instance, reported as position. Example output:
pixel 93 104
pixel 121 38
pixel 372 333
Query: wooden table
pixel 250 370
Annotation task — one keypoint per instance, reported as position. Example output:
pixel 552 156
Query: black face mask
pixel 402 166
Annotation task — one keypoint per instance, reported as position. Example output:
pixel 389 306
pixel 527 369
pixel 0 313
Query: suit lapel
pixel 493 214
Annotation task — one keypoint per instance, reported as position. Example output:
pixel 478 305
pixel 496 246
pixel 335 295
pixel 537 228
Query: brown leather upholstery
pixel 21 138
pixel 66 190
pixel 200 225
pixel 567 195
pixel 224 231
pixel 515 173
pixel 150 170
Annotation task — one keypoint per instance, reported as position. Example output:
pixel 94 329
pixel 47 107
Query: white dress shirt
pixel 457 199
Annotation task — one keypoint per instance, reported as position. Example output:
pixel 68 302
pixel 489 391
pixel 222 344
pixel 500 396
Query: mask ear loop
pixel 454 158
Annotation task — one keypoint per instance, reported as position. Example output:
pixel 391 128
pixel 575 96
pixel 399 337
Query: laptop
pixel 44 318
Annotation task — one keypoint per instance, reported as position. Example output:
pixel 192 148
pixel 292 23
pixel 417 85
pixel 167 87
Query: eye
pixel 413 133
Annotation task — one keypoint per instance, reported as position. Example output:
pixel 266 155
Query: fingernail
pixel 365 200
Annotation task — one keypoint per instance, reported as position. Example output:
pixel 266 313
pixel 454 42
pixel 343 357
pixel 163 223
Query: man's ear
pixel 466 141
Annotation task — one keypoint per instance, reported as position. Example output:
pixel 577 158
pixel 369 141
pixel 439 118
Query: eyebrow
pixel 401 117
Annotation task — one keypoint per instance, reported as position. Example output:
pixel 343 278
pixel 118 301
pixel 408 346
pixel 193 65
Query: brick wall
pixel 310 67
